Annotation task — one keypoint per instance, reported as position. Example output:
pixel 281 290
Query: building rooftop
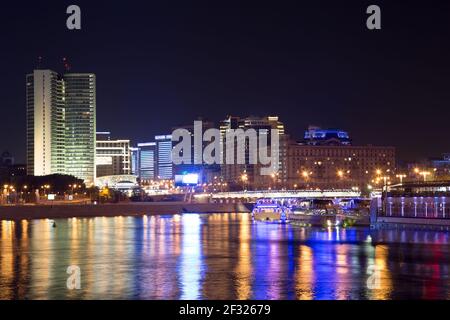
pixel 318 136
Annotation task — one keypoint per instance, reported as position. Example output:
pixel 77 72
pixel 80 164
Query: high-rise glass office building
pixel 153 160
pixel 45 123
pixel 135 161
pixel 61 124
pixel 80 115
pixel 147 161
pixel 164 149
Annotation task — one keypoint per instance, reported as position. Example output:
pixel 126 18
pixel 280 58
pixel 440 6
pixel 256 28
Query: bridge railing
pixel 285 194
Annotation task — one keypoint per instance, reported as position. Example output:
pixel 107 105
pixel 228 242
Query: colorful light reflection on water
pixel 218 256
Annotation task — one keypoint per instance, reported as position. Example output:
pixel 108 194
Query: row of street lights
pixel 45 187
pixel 425 174
pixel 306 174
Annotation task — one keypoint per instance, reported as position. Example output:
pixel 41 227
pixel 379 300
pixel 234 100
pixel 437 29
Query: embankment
pixel 414 223
pixel 112 210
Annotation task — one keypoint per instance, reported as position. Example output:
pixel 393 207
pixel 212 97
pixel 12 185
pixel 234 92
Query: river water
pixel 218 256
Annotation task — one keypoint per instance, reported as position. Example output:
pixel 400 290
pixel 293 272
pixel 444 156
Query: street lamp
pixel 425 174
pixel 306 175
pixel 401 176
pixel 385 179
pixel 275 179
pixel 385 192
pixel 244 179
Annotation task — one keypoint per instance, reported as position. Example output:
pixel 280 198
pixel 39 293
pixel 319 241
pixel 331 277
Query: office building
pixel 135 161
pixel 146 161
pixel 113 156
pixel 80 115
pixel 317 136
pixel 205 172
pixel 153 160
pixel 338 166
pixel 61 124
pixel 45 123
pixel 249 175
pixel 164 157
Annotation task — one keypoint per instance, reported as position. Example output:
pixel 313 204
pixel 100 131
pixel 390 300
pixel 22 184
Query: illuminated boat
pixel 355 206
pixel 318 212
pixel 271 210
pixel 314 207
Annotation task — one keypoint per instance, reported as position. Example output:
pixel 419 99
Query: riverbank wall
pixel 119 209
pixel 412 223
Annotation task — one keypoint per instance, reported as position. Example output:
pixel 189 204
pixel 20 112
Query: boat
pixel 271 210
pixel 318 212
pixel 355 206
pixel 314 207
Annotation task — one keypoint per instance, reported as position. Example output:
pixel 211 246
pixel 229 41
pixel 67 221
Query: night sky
pixel 164 63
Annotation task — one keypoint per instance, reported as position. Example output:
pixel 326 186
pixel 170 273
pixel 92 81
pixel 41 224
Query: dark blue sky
pixel 164 63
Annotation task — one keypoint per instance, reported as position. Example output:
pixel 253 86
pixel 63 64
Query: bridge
pixel 254 195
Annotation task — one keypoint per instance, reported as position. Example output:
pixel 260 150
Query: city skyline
pixel 61 79
pixel 61 139
pixel 222 156
pixel 247 68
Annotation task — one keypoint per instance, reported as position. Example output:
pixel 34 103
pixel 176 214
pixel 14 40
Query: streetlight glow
pixel 401 177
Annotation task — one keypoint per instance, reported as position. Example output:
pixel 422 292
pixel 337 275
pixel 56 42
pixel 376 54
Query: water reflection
pixel 190 267
pixel 218 256
pixel 244 268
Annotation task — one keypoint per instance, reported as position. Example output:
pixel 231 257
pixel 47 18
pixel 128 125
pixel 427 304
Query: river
pixel 218 256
